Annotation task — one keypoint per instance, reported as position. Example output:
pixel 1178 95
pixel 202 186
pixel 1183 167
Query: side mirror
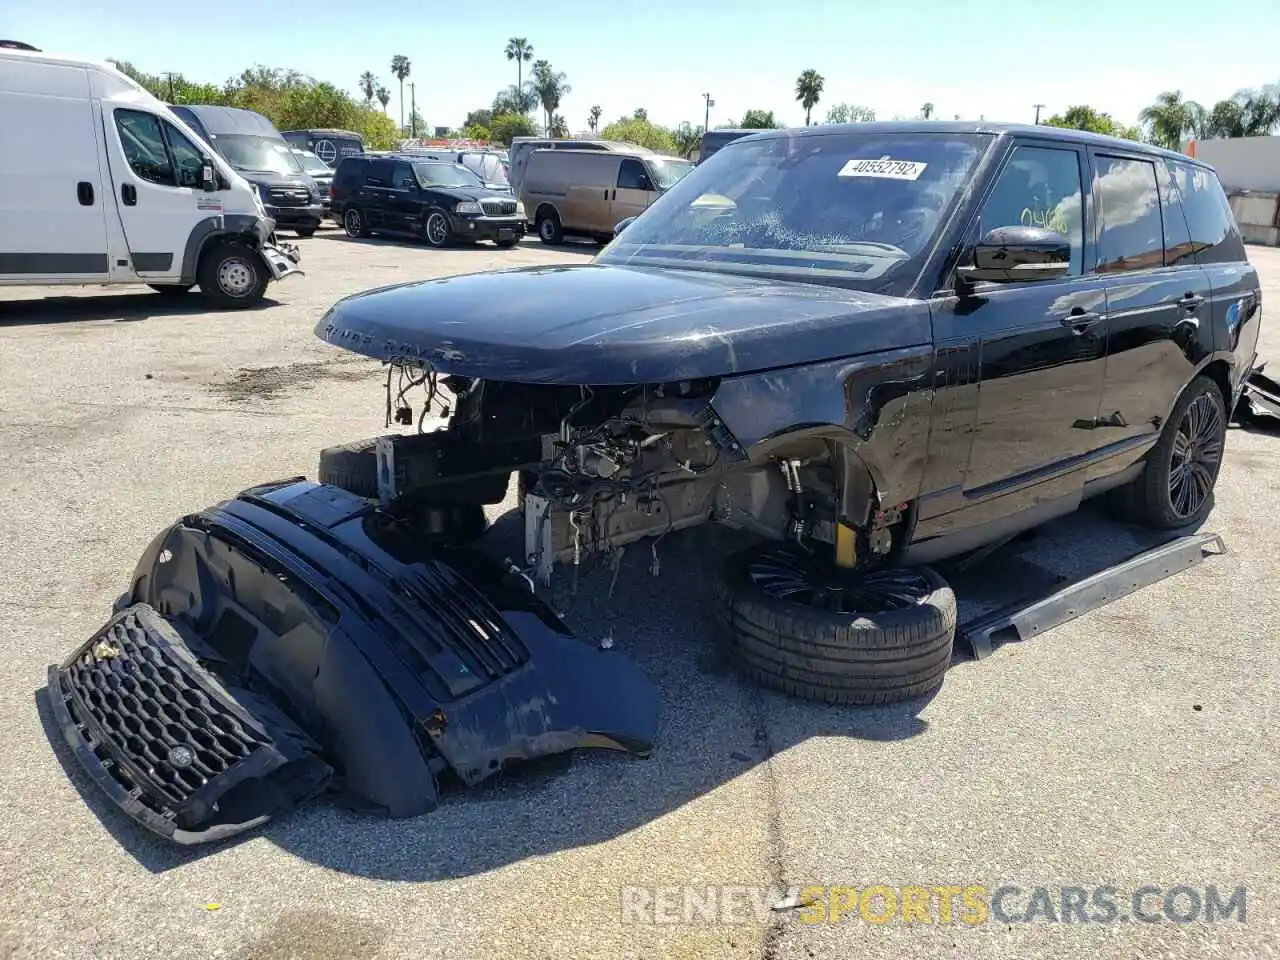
pixel 208 180
pixel 1017 254
pixel 647 184
pixel 622 225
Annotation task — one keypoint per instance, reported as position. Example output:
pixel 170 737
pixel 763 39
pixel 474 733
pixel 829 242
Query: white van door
pixel 156 171
pixel 52 193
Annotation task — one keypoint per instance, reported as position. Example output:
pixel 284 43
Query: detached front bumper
pixel 281 259
pixel 296 636
pixel 497 229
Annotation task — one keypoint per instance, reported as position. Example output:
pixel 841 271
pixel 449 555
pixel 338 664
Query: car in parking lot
pixel 437 201
pixel 320 172
pixel 876 346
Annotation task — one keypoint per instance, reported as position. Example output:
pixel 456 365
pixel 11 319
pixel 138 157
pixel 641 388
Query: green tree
pixel 926 111
pixel 477 131
pixel 642 133
pixel 1249 113
pixel 521 51
pixel 593 118
pixel 416 127
pixel 551 87
pixel 515 99
pixel 558 128
pixel 850 113
pixel 1169 118
pixel 384 97
pixel 368 85
pixel 478 118
pixel 808 91
pixel 1082 117
pixel 687 138
pixel 758 120
pixel 641 114
pixel 400 68
pixel 507 126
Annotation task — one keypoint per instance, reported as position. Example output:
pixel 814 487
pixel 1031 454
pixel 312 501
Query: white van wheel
pixel 232 275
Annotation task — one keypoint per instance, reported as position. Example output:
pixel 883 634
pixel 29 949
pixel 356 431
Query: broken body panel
pixel 390 664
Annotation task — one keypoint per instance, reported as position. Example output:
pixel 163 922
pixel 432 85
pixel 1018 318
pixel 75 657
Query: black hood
pixel 470 193
pixel 598 324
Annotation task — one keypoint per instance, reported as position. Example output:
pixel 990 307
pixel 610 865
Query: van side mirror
pixel 622 225
pixel 208 180
pixel 1016 254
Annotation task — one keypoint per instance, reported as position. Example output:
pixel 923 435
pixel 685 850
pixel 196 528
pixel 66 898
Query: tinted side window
pixel 1177 238
pixel 402 177
pixel 380 173
pixel 188 162
pixel 349 174
pixel 632 175
pixel 144 148
pixel 1040 187
pixel 1213 227
pixel 1132 231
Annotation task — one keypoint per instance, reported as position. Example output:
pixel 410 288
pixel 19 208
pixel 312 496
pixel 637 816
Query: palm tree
pixel 384 96
pixel 687 138
pixel 368 83
pixel 558 128
pixel 521 51
pixel 593 118
pixel 400 69
pixel 551 88
pixel 926 111
pixel 809 91
pixel 1170 117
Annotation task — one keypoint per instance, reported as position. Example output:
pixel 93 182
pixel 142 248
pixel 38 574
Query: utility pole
pixel 413 112
pixel 706 120
pixel 1038 106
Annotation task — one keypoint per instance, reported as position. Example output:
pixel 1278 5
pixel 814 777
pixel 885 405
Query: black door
pixel 373 196
pixel 1157 304
pixel 1020 365
pixel 404 200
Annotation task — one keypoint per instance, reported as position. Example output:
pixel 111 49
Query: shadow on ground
pixel 713 725
pixel 109 306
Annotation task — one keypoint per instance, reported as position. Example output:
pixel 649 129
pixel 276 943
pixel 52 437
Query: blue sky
pixel 993 58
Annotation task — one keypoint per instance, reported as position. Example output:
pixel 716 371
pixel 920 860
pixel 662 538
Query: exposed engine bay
pixel 603 467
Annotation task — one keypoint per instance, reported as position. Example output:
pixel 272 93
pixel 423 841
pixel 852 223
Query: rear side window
pixel 380 173
pixel 348 174
pixel 1178 248
pixel 1132 231
pixel 1213 227
pixel 143 145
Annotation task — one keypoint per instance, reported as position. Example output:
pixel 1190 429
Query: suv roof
pixel 979 126
pixel 327 132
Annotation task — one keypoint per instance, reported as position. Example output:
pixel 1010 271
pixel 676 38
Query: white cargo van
pixel 101 184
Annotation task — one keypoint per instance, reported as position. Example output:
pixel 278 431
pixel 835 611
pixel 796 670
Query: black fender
pixel 874 409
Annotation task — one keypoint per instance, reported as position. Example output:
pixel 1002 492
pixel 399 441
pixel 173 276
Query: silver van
pixel 587 192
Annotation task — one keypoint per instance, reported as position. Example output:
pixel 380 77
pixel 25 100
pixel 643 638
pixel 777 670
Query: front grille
pixel 159 729
pixel 289 196
pixel 498 208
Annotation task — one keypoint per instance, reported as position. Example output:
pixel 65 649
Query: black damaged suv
pixel 439 202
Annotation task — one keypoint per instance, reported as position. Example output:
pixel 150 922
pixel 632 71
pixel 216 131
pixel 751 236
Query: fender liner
pixel 210 229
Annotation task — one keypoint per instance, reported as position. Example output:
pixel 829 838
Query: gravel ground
pixel 1133 746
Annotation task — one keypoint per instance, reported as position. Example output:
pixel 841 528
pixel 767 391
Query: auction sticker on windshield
pixel 885 168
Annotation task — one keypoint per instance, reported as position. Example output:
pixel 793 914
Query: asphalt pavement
pixel 1134 748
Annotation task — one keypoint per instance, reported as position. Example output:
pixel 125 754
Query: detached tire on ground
pixel 881 638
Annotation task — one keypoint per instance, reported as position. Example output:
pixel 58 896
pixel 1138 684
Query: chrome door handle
pixel 1190 301
pixel 1080 321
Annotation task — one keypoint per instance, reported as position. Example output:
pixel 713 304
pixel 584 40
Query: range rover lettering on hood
pixel 601 324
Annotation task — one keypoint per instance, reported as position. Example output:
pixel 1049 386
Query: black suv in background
pixel 438 201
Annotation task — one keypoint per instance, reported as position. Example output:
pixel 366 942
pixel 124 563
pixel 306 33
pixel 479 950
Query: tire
pixel 171 289
pixel 305 232
pixel 1153 499
pixel 352 467
pixel 549 228
pixel 354 223
pixel 436 230
pixel 836 657
pixel 232 276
